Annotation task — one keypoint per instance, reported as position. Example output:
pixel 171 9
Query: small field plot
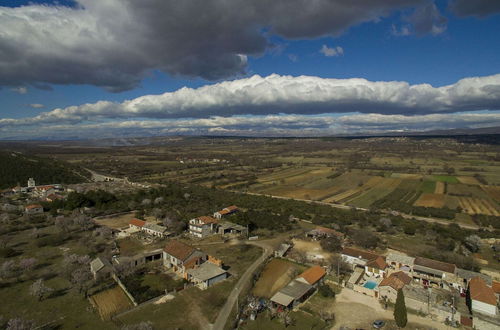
pixel 478 206
pixel 468 180
pixel 116 222
pixel 430 200
pixel 380 190
pixel 406 176
pixel 444 178
pixel 428 187
pixel 111 302
pixel 355 192
pixel 440 188
pixel 277 274
pixel 493 192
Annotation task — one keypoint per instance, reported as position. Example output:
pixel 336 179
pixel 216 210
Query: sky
pixel 117 68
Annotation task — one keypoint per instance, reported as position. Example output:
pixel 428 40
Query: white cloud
pixel 19 90
pixel 270 125
pixel 277 94
pixel 36 105
pixel 403 31
pixel 329 52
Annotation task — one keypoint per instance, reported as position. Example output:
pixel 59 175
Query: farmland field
pixel 430 200
pixel 111 302
pixel 352 171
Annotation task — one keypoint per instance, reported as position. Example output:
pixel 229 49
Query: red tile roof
pixel 178 249
pixel 434 264
pixel 207 219
pixel 232 208
pixel 329 231
pixel 481 292
pixel 396 280
pixel 496 286
pixel 33 206
pixel 372 259
pixel 378 262
pixel 313 274
pixel 137 222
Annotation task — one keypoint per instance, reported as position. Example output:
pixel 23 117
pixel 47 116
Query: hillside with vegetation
pixel 17 168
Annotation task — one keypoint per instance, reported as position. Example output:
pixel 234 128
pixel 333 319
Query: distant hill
pixel 17 168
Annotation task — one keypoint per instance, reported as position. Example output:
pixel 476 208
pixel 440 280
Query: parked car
pixel 378 324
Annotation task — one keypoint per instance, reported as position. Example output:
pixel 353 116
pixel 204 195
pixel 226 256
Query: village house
pixel 400 262
pixel 373 264
pixel 293 294
pixel 180 257
pixel 464 276
pixel 136 224
pixel 206 275
pixel 428 271
pixel 101 268
pixel 53 197
pixel 202 226
pixel 496 288
pixel 230 228
pixel 324 232
pixel 483 299
pixel 388 288
pixel 226 211
pixel 155 230
pixel 313 276
pixel 139 259
pixel 33 209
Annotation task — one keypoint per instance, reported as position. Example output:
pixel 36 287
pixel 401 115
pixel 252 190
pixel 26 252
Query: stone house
pixel 203 226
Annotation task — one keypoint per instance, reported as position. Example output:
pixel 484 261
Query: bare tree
pixel 159 200
pixel 27 265
pixel 20 324
pixel 39 289
pixel 63 223
pixel 82 280
pixel 145 325
pixel 473 243
pixel 83 222
pixel 8 269
pixel 35 233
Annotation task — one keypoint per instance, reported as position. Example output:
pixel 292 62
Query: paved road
pixel 346 207
pixel 242 282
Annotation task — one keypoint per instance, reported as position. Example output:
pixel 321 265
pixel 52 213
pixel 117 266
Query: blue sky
pixel 382 42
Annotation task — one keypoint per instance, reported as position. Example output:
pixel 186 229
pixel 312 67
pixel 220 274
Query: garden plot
pixel 111 302
pixel 276 275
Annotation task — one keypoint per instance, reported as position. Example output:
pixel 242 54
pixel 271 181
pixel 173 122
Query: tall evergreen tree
pixel 400 313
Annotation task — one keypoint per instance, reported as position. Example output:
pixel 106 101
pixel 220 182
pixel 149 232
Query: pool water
pixel 370 285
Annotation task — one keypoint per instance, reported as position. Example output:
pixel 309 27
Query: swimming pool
pixel 370 285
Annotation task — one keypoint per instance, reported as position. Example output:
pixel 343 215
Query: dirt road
pixel 224 313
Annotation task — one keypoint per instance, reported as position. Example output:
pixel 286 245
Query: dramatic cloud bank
pixel 277 94
pixel 114 44
pixel 271 125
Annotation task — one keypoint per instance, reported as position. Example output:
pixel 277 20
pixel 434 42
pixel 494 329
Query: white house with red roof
pixel 203 226
pixel 226 211
pixel 33 209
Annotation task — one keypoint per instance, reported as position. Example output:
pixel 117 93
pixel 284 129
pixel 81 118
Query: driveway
pixel 244 280
pixel 356 310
